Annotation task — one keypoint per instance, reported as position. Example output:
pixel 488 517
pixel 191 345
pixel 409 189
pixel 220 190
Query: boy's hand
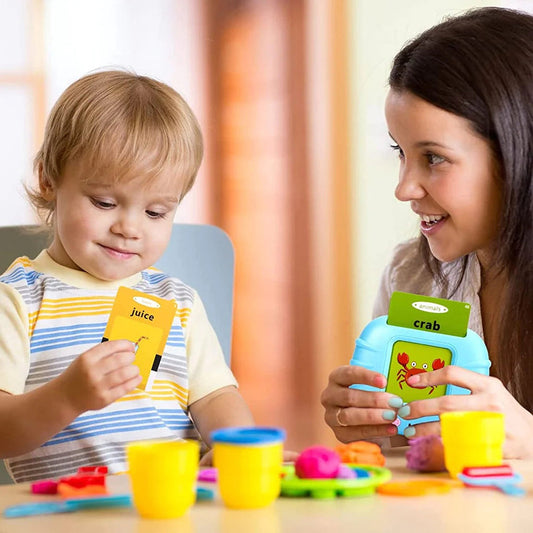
pixel 100 376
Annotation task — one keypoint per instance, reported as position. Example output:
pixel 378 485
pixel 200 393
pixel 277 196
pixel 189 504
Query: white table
pixel 463 510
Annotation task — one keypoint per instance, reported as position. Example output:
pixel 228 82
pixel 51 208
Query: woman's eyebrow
pixel 425 144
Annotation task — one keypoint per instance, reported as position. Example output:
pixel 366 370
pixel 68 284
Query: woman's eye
pixel 397 148
pixel 434 159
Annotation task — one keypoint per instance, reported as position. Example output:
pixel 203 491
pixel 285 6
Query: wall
pixel 62 40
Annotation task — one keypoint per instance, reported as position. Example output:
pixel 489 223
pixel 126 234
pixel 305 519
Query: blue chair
pixel 208 267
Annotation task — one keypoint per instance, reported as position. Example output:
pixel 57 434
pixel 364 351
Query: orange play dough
pixel 361 452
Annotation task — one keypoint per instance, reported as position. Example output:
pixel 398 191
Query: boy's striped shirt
pixel 65 321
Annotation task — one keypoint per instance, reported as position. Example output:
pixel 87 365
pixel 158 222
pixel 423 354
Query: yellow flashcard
pixel 144 320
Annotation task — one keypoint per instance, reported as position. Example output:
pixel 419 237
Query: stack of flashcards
pixel 144 320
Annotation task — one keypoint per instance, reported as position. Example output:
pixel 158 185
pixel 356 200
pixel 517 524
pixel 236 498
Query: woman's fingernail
pixel 404 411
pixel 380 382
pixel 395 402
pixel 392 430
pixel 389 415
pixel 409 432
pixel 413 380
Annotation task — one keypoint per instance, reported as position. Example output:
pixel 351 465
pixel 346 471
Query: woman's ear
pixel 45 186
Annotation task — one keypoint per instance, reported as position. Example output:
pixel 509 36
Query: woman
pixel 460 114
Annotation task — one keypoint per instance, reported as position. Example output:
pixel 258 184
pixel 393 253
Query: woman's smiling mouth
pixel 430 223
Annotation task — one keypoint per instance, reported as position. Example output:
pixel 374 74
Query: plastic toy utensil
pixel 208 475
pixel 507 484
pixel 204 494
pixel 418 487
pixel 488 471
pixel 76 504
pixel 67 506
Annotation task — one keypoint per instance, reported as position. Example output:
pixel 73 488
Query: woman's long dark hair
pixel 479 66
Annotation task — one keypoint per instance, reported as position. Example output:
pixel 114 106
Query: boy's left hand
pixel 289 456
pixel 207 459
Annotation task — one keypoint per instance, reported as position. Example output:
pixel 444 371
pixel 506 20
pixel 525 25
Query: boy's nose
pixel 127 226
pixel 409 186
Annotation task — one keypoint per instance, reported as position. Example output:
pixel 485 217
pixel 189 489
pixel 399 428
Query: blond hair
pixel 119 124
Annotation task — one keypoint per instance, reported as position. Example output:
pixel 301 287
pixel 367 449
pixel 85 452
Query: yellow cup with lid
pixel 249 463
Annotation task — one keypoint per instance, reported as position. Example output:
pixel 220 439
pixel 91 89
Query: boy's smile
pixel 447 173
pixel 112 230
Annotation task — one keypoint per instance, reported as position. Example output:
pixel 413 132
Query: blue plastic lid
pixel 248 435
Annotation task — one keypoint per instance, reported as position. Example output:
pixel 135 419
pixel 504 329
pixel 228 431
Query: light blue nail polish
pixel 389 415
pixel 409 432
pixel 396 402
pixel 404 411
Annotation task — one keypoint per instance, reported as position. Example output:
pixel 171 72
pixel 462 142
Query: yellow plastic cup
pixel 249 462
pixel 472 438
pixel 163 476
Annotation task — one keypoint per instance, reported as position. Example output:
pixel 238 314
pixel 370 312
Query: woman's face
pixel 448 174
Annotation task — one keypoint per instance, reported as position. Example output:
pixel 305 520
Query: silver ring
pixel 337 418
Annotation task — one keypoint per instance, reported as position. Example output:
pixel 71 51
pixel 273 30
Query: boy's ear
pixel 45 186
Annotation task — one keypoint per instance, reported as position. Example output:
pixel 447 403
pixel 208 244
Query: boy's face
pixel 112 230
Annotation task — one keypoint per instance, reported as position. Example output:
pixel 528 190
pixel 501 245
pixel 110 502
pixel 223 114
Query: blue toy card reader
pixel 420 334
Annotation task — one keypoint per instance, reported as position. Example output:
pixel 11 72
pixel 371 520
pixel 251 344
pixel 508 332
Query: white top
pixel 407 272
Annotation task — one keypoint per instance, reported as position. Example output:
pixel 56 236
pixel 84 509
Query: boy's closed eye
pixel 155 214
pixel 103 204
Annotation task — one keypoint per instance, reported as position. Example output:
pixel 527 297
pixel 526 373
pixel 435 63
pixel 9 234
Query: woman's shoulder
pixel 406 256
pixel 407 270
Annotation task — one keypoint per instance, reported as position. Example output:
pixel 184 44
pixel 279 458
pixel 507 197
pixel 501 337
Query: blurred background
pixel 298 168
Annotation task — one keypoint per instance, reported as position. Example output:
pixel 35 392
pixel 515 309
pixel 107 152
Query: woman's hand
pixel 488 394
pixel 355 414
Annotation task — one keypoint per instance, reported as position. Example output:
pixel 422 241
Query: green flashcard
pixel 427 313
pixel 408 359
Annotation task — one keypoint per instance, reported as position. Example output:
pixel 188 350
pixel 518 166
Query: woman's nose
pixel 410 186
